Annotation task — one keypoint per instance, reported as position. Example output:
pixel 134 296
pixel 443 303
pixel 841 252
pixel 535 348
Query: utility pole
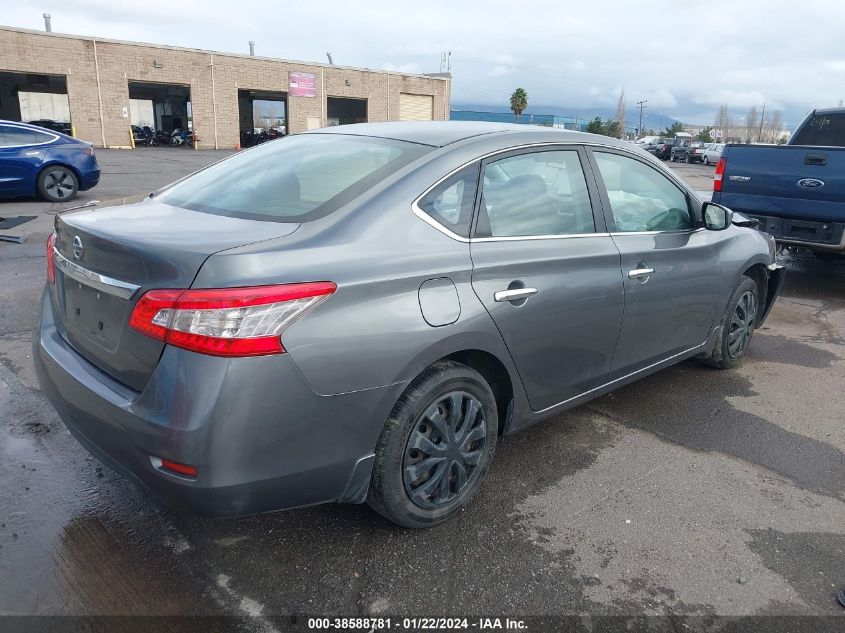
pixel 762 117
pixel 641 105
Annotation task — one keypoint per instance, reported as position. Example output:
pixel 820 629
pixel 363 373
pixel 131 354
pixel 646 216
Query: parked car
pixel 36 161
pixel 712 153
pixel 664 150
pixel 57 126
pixel 797 190
pixel 303 322
pixel 646 140
pixel 685 150
pixel 653 146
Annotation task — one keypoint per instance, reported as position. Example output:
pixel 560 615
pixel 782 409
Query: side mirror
pixel 716 217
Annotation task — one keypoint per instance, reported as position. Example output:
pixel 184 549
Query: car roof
pixel 442 133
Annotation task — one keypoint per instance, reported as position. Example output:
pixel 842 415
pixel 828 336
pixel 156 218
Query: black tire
pixel 736 327
pixel 688 160
pixel 398 488
pixel 57 184
pixel 705 160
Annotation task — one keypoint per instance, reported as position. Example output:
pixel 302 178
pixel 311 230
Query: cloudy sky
pixel 686 58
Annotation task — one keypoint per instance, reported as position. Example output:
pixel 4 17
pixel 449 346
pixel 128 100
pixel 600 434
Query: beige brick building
pixel 109 84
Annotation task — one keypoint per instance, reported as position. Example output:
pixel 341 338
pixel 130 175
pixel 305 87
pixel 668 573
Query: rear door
pixel 547 271
pixel 671 268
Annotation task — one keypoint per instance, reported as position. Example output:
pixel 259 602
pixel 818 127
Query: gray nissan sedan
pixel 359 313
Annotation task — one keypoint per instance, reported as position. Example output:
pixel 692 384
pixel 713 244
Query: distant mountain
pixel 651 120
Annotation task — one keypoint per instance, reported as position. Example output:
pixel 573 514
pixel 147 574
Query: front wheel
pixel 737 326
pixel 706 161
pixel 57 183
pixel 435 447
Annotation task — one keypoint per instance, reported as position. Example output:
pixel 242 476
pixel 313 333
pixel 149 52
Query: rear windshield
pixel 295 178
pixel 822 129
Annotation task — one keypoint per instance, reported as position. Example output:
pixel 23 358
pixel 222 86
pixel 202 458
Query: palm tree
pixel 519 101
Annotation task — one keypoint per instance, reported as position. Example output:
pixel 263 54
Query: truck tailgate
pixel 787 181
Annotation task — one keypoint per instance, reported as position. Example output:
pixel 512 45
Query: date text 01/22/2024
pixel 416 624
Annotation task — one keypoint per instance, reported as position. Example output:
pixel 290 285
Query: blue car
pixel 36 161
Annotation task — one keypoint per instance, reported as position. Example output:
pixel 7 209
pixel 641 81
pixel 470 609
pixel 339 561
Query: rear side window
pixel 293 179
pixel 450 203
pixel 822 129
pixel 11 136
pixel 535 194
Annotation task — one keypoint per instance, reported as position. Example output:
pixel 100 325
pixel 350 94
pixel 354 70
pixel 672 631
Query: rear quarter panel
pixel 371 332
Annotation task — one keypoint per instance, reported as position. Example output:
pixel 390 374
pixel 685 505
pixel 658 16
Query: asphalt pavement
pixel 693 494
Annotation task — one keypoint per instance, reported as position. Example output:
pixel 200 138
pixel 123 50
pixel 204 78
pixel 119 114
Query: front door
pixel 671 267
pixel 547 271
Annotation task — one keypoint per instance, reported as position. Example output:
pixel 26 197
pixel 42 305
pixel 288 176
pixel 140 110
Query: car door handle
pixel 514 295
pixel 640 272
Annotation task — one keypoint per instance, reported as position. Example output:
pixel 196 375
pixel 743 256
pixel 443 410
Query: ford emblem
pixel 78 248
pixel 811 183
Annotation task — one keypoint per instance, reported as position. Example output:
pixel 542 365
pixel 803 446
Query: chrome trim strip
pixel 537 237
pixel 109 285
pixel 623 233
pixel 626 376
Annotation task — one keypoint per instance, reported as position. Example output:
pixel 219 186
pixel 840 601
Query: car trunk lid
pixel 109 257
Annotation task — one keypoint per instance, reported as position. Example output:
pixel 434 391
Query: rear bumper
pixel 817 234
pixel 260 438
pixel 89 179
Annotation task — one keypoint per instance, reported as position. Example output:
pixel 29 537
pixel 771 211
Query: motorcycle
pixel 160 137
pixel 182 138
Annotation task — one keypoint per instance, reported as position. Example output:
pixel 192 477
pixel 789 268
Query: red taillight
pixel 176 467
pixel 51 259
pixel 227 321
pixel 720 172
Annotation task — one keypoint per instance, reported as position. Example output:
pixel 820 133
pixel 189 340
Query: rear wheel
pixel 57 183
pixel 435 447
pixel 737 326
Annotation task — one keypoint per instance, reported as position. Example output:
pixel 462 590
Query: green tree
pixel 595 126
pixel 605 128
pixel 519 101
pixel 673 129
pixel 704 135
pixel 612 128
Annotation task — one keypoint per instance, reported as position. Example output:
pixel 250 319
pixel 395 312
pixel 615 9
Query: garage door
pixel 415 107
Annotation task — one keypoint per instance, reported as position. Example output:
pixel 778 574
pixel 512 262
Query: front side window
pixel 450 203
pixel 293 179
pixel 641 198
pixel 539 193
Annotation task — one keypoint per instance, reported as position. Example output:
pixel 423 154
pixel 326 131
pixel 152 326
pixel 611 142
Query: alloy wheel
pixel 444 449
pixel 59 184
pixel 742 324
